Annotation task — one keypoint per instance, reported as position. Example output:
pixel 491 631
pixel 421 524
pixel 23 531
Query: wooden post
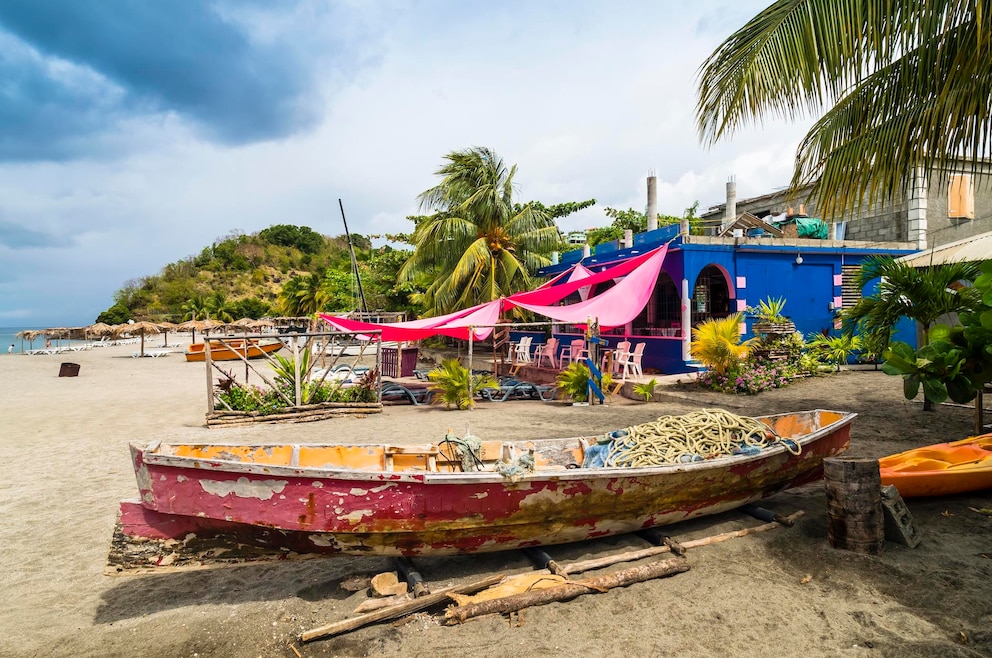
pixel 296 369
pixel 210 381
pixel 855 520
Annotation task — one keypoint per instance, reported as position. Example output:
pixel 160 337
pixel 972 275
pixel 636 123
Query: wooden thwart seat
pixel 410 457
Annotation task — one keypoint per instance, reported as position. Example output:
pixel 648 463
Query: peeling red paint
pixel 420 513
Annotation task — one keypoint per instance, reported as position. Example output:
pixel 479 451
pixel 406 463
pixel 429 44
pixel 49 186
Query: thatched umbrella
pixel 58 333
pixel 137 329
pixel 207 325
pixel 166 327
pixel 28 335
pixel 191 325
pixel 99 329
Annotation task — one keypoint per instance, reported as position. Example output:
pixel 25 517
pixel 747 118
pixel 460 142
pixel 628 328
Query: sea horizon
pixel 8 338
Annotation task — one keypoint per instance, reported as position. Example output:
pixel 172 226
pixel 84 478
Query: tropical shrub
pixel 646 389
pixel 573 381
pixel 453 384
pixel 770 310
pixel 717 344
pixel 834 349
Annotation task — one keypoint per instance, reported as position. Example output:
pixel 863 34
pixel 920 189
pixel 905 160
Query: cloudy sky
pixel 134 133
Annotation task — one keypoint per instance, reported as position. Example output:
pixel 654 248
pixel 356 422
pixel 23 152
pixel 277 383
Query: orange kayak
pixel 941 469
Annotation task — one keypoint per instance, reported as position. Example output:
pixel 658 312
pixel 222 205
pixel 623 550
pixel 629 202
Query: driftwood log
pixel 395 611
pixel 303 413
pixel 568 591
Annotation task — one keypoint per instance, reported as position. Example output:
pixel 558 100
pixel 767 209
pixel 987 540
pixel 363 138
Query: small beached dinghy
pixel 232 350
pixel 941 469
pixel 464 495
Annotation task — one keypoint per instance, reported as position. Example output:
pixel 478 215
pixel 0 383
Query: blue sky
pixel 134 133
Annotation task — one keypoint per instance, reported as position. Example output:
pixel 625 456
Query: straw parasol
pixel 58 333
pixel 166 327
pixel 191 325
pixel 137 329
pixel 99 329
pixel 28 335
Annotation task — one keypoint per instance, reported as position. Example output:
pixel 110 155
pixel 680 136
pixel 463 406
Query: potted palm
pixel 770 320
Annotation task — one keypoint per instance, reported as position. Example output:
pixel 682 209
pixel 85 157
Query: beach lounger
pixel 394 392
pixel 518 390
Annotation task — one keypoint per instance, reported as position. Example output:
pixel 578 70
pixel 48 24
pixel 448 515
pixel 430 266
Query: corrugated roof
pixel 973 249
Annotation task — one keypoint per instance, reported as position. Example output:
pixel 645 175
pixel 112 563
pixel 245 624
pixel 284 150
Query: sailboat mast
pixel 354 262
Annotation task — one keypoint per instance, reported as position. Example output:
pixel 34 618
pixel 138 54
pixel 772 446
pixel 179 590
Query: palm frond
pixel 909 85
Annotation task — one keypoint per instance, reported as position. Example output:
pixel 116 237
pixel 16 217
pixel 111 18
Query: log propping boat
pixel 232 350
pixel 416 500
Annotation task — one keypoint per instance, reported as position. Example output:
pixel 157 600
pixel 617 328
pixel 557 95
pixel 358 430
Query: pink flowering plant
pixel 753 376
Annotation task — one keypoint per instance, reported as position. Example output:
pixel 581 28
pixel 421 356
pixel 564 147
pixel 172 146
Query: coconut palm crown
pixel 905 84
pixel 923 294
pixel 475 246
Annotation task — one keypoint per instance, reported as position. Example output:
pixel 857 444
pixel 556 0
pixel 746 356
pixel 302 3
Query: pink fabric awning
pixel 613 308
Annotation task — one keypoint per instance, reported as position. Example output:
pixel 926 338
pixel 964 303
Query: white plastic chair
pixel 631 363
pixel 521 353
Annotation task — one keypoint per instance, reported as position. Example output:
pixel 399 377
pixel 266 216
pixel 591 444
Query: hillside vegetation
pixel 243 275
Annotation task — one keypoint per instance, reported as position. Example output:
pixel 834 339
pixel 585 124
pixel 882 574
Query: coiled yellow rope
pixel 702 434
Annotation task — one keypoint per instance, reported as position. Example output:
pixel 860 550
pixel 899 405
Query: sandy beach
pixel 63 446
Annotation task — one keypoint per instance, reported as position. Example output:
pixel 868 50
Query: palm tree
pixel 219 308
pixel 922 294
pixel 906 85
pixel 195 308
pixel 477 246
pixel 304 295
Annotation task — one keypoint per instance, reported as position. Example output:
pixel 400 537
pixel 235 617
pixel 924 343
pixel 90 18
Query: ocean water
pixel 7 339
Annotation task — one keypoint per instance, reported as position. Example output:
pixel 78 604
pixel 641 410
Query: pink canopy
pixel 613 308
pixel 453 324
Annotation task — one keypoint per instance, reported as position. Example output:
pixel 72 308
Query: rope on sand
pixel 695 436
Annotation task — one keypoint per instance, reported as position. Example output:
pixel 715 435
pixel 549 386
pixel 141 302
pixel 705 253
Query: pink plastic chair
pixel 574 351
pixel 548 352
pixel 620 354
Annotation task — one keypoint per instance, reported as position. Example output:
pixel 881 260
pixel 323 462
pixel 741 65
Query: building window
pixel 849 290
pixel 960 197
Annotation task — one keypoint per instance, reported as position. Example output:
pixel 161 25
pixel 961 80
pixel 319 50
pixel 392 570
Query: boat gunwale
pixel 150 457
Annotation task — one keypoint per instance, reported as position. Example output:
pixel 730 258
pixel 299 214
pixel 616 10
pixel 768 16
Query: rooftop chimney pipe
pixel 652 201
pixel 731 209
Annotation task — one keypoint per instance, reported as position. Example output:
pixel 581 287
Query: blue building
pixel 706 277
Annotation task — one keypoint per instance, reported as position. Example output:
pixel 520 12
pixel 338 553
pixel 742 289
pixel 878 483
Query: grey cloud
pixel 160 57
pixel 14 236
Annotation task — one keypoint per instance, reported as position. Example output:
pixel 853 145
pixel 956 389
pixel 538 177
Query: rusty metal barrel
pixel 855 520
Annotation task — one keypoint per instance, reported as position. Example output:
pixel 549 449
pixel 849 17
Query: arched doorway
pixel 710 295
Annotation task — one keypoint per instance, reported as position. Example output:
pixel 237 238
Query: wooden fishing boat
pixel 941 469
pixel 417 500
pixel 232 350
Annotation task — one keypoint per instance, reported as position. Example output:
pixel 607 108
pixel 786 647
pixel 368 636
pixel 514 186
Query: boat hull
pixel 416 513
pixel 195 352
pixel 942 469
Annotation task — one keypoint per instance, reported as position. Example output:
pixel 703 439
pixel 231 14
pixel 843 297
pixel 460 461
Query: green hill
pixel 243 275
